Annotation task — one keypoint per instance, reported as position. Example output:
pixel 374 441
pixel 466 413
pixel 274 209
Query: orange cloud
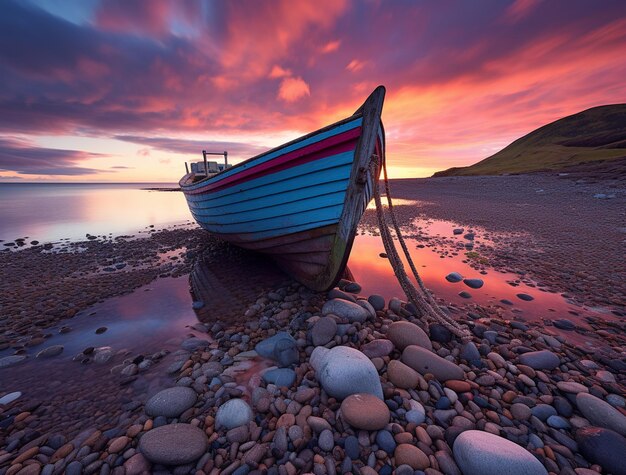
pixel 293 89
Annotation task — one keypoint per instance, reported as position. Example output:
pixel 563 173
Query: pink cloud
pixel 293 89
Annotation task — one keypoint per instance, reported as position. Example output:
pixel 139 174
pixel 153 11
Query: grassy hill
pixel 597 134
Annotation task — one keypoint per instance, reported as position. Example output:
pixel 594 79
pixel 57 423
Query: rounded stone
pixel 173 444
pixel 521 412
pixel 454 277
pixel 11 360
pixel 325 441
pixel 323 331
pixel 403 334
pixel 482 453
pixel 473 283
pixel 171 402
pixel 604 447
pixel 424 361
pixel 572 387
pixel 401 375
pixel 233 413
pixel 385 441
pixel 51 351
pixel 365 411
pixel 458 386
pixel 376 301
pixel 407 454
pixel 543 359
pixel 345 309
pixel 343 371
pixel 9 398
pixel 601 413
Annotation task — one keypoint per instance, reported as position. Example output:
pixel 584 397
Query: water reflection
pixel 48 212
pixel 437 252
pixel 225 284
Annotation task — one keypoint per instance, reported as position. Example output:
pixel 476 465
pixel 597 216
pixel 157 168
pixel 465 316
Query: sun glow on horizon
pixel 144 89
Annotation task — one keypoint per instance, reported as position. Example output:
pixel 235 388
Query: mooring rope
pixel 420 297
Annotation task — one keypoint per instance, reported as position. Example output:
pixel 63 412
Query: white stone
pixel 343 371
pixel 233 413
pixel 482 453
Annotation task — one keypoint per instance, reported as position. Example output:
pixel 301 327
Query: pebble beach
pixel 278 379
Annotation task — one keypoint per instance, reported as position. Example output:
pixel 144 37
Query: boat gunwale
pixel 183 181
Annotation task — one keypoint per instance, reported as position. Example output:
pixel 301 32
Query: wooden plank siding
pixel 301 202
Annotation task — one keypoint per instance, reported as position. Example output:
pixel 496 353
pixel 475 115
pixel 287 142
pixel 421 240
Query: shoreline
pixel 521 382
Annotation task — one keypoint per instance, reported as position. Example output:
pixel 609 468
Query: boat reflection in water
pixel 225 284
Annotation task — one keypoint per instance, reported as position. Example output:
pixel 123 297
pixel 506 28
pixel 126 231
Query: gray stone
pixel 543 411
pixel 192 344
pixel 233 413
pixel 173 444
pixel 604 447
pixel 454 277
pixel 325 441
pixel 11 360
pixel 345 309
pixel 601 413
pixel 564 324
pixel 323 331
pixel 51 351
pixel 377 301
pixel 281 347
pixel 386 442
pixel 482 453
pixel 525 297
pixel 286 353
pixel 103 354
pixel 424 361
pixel 280 377
pixel 171 402
pixel 74 468
pixel 470 353
pixel 558 422
pixel 343 371
pixel 403 334
pixel 474 283
pixel 415 416
pixel 543 359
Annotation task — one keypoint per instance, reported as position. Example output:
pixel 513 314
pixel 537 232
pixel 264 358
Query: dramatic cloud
pixel 194 147
pixel 463 78
pixel 22 157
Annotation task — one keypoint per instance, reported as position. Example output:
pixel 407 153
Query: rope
pixel 420 296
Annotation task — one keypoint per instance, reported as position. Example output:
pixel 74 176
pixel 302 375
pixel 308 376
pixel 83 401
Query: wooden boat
pixel 300 202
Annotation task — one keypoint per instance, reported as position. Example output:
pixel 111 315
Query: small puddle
pixel 437 252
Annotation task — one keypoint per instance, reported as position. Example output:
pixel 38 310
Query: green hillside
pixel 592 135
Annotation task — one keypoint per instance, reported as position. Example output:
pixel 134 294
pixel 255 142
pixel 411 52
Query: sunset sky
pixel 128 90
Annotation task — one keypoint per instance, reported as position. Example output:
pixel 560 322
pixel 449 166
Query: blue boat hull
pixel 300 202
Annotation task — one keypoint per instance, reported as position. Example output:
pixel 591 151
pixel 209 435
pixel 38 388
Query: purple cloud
pixel 22 157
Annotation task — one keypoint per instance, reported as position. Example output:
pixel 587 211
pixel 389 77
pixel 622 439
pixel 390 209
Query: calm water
pixel 49 212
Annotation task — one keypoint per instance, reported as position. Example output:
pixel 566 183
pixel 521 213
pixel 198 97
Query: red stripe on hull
pixel 339 143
